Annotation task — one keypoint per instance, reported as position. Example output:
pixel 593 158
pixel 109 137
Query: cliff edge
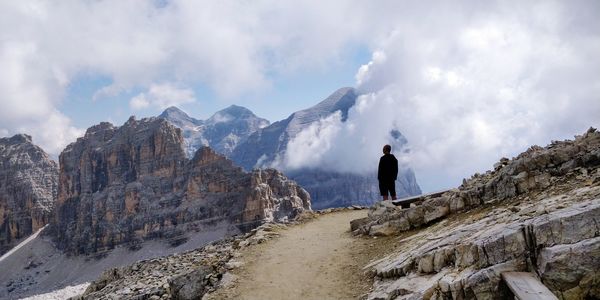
pixel 538 212
pixel 127 184
pixel 28 187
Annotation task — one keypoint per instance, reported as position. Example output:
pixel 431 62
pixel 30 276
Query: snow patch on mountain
pixel 223 131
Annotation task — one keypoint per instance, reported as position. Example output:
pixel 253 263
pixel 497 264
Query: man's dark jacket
pixel 388 168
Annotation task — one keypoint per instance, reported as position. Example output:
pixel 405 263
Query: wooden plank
pixel 525 286
pixel 405 202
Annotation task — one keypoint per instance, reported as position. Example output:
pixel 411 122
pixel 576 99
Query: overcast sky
pixel 465 81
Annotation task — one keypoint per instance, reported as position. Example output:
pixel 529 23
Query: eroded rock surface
pixel 182 276
pixel 28 187
pixel 121 185
pixel 539 212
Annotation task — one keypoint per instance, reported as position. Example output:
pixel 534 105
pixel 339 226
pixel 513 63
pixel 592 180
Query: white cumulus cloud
pixel 464 81
pixel 466 88
pixel 228 46
pixel 162 96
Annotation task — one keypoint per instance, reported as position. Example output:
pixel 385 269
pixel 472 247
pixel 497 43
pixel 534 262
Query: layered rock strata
pixel 122 185
pixel 538 212
pixel 28 187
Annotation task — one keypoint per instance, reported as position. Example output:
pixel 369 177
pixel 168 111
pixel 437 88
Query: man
pixel 387 173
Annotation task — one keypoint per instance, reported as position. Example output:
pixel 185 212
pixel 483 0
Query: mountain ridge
pixel 120 185
pixel 223 131
pixel 332 189
pixel 28 186
pixel 262 145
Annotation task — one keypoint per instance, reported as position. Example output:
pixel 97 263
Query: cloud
pixel 221 118
pixel 30 90
pixel 352 146
pixel 465 82
pixel 467 88
pixel 231 47
pixel 52 132
pixel 161 96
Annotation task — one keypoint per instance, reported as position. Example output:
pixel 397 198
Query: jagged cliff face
pixel 538 212
pixel 273 197
pixel 28 186
pixel 121 185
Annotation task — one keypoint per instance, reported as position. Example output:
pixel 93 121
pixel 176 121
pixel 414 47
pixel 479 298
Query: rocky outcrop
pixel 122 185
pixel 188 275
pixel 274 198
pixel 28 187
pixel 538 212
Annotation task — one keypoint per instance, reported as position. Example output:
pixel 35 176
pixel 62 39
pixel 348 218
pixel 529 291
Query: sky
pixel 466 82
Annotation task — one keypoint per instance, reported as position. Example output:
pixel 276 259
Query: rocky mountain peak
pixel 28 187
pixel 19 150
pixel 179 118
pixel 138 184
pixel 206 155
pixel 100 129
pixel 223 131
pixel 19 138
pixel 341 100
pixel 173 111
pixel 233 113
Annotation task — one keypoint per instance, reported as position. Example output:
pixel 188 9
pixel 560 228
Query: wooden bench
pixel 406 202
pixel 525 286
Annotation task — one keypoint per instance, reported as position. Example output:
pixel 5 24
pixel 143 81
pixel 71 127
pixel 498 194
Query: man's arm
pixel 395 168
pixel 379 169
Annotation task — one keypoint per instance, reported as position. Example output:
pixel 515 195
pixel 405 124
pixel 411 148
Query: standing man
pixel 387 173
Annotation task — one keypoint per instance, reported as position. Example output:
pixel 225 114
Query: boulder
pixel 191 285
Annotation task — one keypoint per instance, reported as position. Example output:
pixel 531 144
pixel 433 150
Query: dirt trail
pixel 316 260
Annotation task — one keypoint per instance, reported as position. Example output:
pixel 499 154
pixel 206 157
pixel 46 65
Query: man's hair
pixel 387 149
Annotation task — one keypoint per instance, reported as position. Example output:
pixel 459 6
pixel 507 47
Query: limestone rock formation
pixel 187 275
pixel 538 212
pixel 274 198
pixel 28 187
pixel 122 185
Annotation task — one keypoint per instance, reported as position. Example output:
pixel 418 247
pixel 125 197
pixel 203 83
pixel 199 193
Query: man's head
pixel 387 149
